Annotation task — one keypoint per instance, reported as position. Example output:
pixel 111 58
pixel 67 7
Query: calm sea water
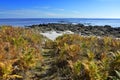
pixel 87 21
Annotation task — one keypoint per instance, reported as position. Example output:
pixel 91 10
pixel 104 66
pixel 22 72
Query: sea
pixel 22 22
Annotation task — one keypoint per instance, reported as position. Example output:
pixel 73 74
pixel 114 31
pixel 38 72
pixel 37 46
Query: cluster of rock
pixel 80 29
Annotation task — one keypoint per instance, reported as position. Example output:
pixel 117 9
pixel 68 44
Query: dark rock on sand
pixel 80 29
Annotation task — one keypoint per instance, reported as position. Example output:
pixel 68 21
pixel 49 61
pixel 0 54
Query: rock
pixel 79 28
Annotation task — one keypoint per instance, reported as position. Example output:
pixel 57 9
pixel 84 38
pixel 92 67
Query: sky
pixel 59 8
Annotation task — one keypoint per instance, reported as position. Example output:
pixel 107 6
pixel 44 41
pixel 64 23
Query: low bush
pixel 19 51
pixel 89 58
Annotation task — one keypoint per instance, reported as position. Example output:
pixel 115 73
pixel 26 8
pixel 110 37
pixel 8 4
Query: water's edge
pixel 86 21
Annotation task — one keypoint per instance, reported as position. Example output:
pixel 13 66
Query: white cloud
pixel 59 9
pixel 60 13
pixel 76 12
pixel 20 11
pixel 42 7
pixel 35 13
pixel 49 8
pixel 52 14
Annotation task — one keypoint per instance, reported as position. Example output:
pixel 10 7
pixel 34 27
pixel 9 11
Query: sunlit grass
pixel 20 50
pixel 89 58
pixel 80 57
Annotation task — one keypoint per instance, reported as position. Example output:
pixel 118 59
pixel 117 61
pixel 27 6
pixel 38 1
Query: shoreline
pixel 86 21
pixel 85 30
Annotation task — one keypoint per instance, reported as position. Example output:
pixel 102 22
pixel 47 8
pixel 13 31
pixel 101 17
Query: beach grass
pixel 20 50
pixel 88 58
pixel 75 57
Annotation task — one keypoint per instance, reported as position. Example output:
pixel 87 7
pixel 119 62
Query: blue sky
pixel 59 8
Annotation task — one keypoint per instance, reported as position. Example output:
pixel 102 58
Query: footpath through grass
pixel 27 55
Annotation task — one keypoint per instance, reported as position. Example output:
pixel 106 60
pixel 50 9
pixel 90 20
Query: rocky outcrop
pixel 80 29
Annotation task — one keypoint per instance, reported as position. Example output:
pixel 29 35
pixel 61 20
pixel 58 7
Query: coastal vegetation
pixel 25 52
pixel 20 50
pixel 88 58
